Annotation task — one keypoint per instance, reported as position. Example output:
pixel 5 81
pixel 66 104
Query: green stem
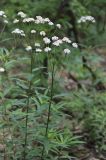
pixel 49 111
pixel 1 33
pixel 27 111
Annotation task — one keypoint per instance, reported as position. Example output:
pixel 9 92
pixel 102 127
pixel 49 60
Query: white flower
pixel 27 20
pixel 57 43
pixel 37 21
pixel 47 20
pixel 90 18
pixel 47 49
pixel 42 33
pixel 75 45
pixel 33 31
pixel 2 69
pixel 37 44
pixel 15 21
pixel 23 34
pixel 4 16
pixel 67 51
pixel 28 48
pixel 51 23
pixel 40 19
pixel 21 14
pixel 58 26
pixel 38 50
pixel 86 18
pixel 82 19
pixel 6 21
pixel 66 39
pixel 55 38
pixel 2 13
pixel 46 40
pixel 18 31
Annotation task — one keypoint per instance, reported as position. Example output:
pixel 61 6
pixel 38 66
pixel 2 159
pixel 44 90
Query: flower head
pixel 33 31
pixel 2 69
pixel 21 14
pixel 18 31
pixel 38 50
pixel 39 19
pixel 58 42
pixel 50 23
pixel 2 14
pixel 42 33
pixel 46 40
pixel 28 48
pixel 75 45
pixel 67 51
pixel 66 39
pixel 23 34
pixel 37 44
pixel 16 21
pixel 55 38
pixel 58 26
pixel 6 21
pixel 86 18
pixel 28 20
pixel 47 20
pixel 47 49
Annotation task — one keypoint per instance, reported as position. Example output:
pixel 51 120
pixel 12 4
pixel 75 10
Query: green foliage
pixel 96 125
pixel 39 112
pixel 88 108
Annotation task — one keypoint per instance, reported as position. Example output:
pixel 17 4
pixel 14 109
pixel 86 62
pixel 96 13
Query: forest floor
pixel 87 151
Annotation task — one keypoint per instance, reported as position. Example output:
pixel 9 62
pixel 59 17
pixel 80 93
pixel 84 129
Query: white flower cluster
pixel 58 26
pixel 66 39
pixel 21 14
pixel 16 21
pixel 38 20
pixel 55 38
pixel 37 44
pixel 19 32
pixel 28 20
pixel 2 14
pixel 53 41
pixel 41 20
pixel 28 48
pixel 38 50
pixel 5 21
pixel 47 49
pixel 86 18
pixel 2 69
pixel 58 42
pixel 67 51
pixel 42 33
pixel 75 45
pixel 33 31
pixel 46 40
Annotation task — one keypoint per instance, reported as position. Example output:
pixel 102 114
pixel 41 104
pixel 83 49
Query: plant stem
pixel 49 110
pixel 2 30
pixel 27 111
